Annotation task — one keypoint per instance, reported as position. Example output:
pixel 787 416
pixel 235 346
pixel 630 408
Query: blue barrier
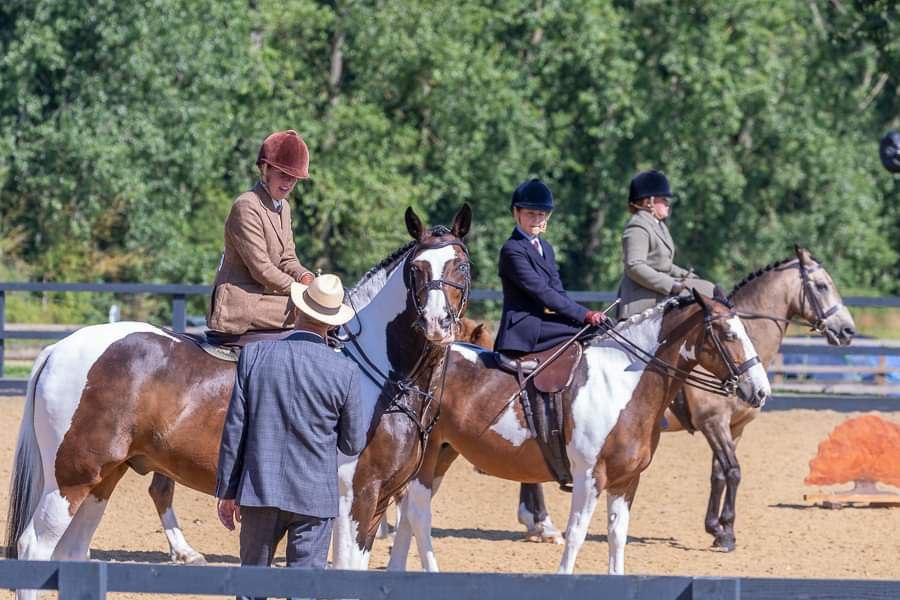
pixel 92 581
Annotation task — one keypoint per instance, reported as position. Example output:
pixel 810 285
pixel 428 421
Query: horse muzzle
pixel 753 395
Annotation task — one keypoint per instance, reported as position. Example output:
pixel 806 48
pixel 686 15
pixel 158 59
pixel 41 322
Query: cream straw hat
pixel 323 300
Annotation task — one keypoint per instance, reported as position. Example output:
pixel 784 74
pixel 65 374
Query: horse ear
pixel 462 221
pixel 698 298
pixel 476 333
pixel 798 250
pixel 414 224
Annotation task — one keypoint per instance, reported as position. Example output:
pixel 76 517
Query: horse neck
pixel 390 337
pixel 773 294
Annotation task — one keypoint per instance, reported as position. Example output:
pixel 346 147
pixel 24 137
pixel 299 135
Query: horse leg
pixel 584 500
pixel 533 515
pixel 718 434
pixel 75 543
pixel 162 491
pixel 346 551
pixel 716 488
pixel 415 510
pixel 618 509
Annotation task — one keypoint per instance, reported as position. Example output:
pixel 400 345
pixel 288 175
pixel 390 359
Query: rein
pixel 697 380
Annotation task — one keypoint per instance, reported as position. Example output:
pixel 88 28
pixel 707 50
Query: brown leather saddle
pixel 227 346
pixel 545 403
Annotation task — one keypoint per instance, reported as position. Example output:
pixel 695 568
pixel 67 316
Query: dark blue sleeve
pixel 231 448
pixel 517 268
pixel 352 429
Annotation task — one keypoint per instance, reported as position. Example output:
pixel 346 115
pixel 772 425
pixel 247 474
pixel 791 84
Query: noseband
pixel 440 284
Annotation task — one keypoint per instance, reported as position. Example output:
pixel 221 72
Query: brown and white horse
pixel 797 289
pixel 109 397
pixel 617 402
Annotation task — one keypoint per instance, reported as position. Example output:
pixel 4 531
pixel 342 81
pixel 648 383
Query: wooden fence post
pixel 82 580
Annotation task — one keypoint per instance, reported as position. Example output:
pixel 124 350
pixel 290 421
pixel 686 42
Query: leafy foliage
pixel 126 129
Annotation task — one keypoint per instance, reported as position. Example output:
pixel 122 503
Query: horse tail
pixel 27 479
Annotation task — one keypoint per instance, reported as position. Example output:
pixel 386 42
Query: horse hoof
pixel 194 558
pixel 725 543
pixel 544 537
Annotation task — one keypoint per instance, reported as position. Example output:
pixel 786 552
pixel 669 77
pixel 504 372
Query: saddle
pixel 545 403
pixel 227 346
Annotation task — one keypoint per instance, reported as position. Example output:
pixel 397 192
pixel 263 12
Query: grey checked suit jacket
pixel 295 403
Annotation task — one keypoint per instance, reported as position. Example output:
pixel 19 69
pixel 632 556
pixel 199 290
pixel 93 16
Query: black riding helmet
pixel 647 184
pixel 889 151
pixel 533 194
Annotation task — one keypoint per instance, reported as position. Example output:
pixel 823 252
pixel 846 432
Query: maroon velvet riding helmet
pixel 287 152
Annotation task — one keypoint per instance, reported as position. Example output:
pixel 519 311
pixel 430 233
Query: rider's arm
pixel 290 264
pixel 244 229
pixel 517 267
pixel 635 246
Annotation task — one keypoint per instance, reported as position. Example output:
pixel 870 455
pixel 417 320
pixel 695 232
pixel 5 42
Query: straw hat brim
pixel 341 316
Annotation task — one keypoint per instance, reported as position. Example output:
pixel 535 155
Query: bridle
pixel 702 381
pixel 440 284
pixel 807 294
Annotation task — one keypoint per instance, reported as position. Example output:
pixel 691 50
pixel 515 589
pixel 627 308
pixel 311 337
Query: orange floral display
pixel 859 449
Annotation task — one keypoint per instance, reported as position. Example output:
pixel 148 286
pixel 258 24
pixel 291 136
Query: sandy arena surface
pixel 475 528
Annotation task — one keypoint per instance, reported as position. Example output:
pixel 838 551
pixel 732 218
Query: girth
pixel 545 402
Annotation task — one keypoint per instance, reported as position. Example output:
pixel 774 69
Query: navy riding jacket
pixel 537 312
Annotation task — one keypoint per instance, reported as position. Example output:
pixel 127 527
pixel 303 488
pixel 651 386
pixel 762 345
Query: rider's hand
pixel 595 317
pixel 307 278
pixel 229 512
pixel 677 288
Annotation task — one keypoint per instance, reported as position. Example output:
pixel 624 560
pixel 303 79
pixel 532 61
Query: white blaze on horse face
pixel 435 311
pixel 756 373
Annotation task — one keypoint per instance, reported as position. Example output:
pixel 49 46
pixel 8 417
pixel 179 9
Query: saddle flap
pixel 558 375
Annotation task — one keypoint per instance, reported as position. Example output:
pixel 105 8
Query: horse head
pixel 820 303
pixel 437 275
pixel 722 347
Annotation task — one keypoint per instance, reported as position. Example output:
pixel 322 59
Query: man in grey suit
pixel 295 403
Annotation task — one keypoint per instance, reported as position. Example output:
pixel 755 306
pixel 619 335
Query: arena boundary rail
pixel 179 292
pixel 93 580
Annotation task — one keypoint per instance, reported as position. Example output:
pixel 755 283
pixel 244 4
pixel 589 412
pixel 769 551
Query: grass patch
pixel 14 371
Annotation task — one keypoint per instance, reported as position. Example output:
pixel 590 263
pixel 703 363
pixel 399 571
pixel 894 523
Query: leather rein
pixel 708 383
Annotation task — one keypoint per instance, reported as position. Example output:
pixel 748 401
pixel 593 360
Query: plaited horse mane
pixel 611 429
pixel 130 395
pixel 769 299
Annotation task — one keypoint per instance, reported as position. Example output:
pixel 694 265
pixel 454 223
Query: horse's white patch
pixel 418 513
pixel 509 428
pixel 469 352
pixel 584 501
pixel 179 549
pixel 346 553
pixel 685 352
pixel 618 516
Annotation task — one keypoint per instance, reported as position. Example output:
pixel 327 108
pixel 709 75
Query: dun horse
pixel 110 397
pixel 617 398
pixel 767 300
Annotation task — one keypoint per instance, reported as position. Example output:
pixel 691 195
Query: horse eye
pixel 463 267
pixel 822 286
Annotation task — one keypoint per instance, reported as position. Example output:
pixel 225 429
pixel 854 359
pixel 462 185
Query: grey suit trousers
pixel 263 527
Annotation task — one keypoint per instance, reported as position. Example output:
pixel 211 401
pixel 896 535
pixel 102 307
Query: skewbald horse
pixel 795 290
pixel 109 397
pixel 617 402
